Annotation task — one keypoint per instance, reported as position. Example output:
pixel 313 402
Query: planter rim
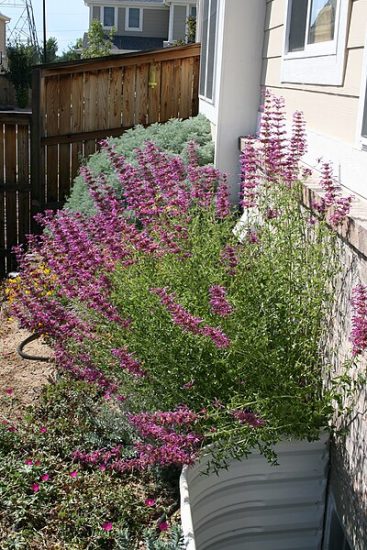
pixel 186 518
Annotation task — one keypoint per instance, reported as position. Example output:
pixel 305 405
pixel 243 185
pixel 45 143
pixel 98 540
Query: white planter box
pixel 256 506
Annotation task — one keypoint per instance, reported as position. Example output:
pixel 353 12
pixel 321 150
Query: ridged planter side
pixel 256 506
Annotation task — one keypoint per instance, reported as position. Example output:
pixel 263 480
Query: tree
pixel 98 44
pixel 21 57
pixel 51 50
pixel 73 52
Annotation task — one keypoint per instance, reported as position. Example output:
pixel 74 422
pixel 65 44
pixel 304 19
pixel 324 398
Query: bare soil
pixel 21 380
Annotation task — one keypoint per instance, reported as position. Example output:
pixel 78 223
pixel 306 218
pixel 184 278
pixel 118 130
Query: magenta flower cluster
pixel 272 158
pixel 359 319
pixel 188 322
pixel 248 417
pixel 166 438
pixel 219 302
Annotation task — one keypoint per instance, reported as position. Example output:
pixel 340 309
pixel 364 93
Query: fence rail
pixel 75 105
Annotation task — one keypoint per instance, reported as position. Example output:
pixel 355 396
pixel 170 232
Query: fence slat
pixel 2 204
pixel 64 126
pixel 154 93
pixel 115 98
pixel 141 102
pixel 128 96
pixel 10 194
pixel 24 194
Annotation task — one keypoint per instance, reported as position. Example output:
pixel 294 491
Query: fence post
pixel 37 152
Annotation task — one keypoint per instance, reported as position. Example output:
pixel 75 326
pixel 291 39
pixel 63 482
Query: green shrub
pixel 74 508
pixel 172 137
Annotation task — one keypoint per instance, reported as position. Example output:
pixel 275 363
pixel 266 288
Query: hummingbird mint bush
pixel 204 327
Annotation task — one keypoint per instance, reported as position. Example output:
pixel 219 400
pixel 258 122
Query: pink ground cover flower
pixel 149 502
pixel 35 487
pixel 45 477
pixel 107 526
pixel 73 474
pixel 9 391
pixel 163 526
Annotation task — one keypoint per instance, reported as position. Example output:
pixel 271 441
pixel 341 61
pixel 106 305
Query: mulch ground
pixel 21 380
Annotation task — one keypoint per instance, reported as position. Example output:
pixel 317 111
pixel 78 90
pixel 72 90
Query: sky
pixel 66 20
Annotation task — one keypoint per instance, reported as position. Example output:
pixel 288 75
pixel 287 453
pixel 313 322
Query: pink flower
pixel 218 301
pixel 35 487
pixel 43 429
pixel 102 467
pixel 107 526
pixel 163 526
pixel 37 463
pixel 9 391
pixel 188 385
pixel 45 477
pixel 73 474
pixel 150 502
pixel 28 462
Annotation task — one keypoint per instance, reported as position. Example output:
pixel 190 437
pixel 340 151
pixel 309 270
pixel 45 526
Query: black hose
pixel 23 355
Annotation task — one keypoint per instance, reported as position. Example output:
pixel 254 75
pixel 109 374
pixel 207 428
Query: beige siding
pixel 330 110
pixel 96 14
pixel 179 23
pixel 155 23
pixel 3 42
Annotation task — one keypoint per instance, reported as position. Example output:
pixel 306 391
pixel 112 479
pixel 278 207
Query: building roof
pixel 4 17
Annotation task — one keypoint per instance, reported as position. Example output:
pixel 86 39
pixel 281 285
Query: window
pixel 315 41
pixel 134 19
pixel 335 538
pixel 192 11
pixel 108 17
pixel 311 22
pixel 208 40
pixel 364 121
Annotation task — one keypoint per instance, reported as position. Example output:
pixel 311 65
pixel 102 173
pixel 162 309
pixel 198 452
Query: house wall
pixel 3 43
pixel 155 23
pixel 348 473
pixel 96 12
pixel 233 111
pixel 332 112
pixel 179 23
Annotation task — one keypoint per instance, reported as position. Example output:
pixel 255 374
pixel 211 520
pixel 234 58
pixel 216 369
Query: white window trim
pixel 209 100
pixel 361 140
pixel 114 17
pixel 321 63
pixel 135 29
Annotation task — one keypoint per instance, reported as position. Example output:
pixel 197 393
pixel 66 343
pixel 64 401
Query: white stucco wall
pixel 233 111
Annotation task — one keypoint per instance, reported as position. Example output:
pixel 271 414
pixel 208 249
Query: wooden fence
pixel 15 184
pixel 75 105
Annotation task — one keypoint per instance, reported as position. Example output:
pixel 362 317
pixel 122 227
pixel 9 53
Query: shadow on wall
pixel 349 453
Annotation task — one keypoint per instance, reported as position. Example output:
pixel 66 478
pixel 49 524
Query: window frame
pixel 203 97
pixel 362 112
pixel 331 513
pixel 320 63
pixel 318 48
pixel 127 17
pixel 114 17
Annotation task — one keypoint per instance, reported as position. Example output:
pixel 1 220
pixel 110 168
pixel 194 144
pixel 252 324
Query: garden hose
pixel 24 355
